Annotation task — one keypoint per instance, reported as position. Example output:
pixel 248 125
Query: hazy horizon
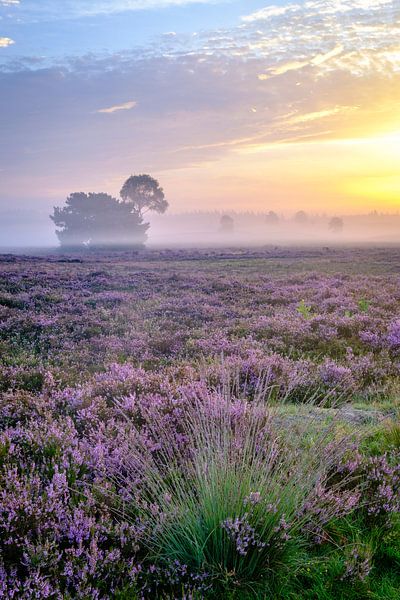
pixel 21 229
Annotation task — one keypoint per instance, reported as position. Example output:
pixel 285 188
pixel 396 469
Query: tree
pixel 226 224
pixel 98 220
pixel 336 224
pixel 272 218
pixel 101 220
pixel 143 193
pixel 301 217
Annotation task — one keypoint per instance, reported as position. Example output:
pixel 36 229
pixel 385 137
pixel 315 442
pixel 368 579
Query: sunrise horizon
pixel 231 105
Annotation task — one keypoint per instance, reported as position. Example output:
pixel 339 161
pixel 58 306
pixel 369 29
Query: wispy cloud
pixel 66 9
pixel 323 7
pixel 112 109
pixel 316 60
pixel 268 12
pixel 5 41
pixel 90 7
pixel 321 114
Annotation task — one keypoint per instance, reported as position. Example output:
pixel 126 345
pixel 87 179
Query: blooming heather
pixel 102 361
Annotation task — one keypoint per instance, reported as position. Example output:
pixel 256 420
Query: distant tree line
pixel 226 224
pixel 100 220
pixel 97 220
pixel 301 218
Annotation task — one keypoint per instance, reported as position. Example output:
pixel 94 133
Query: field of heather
pixel 200 424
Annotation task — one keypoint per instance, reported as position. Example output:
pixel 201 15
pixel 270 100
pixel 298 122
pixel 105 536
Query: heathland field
pixel 189 424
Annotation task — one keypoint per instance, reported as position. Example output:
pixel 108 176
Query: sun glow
pixel 333 175
pixel 380 176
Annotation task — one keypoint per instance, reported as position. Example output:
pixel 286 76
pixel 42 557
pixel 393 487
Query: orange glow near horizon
pixel 292 107
pixel 334 176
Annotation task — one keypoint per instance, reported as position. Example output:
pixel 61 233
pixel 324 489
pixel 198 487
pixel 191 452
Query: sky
pixel 231 104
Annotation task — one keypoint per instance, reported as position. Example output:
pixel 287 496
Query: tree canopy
pixel 98 219
pixel 144 194
pixel 336 224
pixel 272 218
pixel 226 224
pixel 301 217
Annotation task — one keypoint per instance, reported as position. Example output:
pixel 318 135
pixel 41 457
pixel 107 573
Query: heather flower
pixel 242 534
pixel 253 498
pixel 102 455
pixel 358 564
pixel 336 376
pixel 393 336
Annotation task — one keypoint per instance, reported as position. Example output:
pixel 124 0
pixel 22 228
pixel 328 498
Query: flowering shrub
pixel 196 490
pixel 242 534
pixel 381 477
pixel 393 337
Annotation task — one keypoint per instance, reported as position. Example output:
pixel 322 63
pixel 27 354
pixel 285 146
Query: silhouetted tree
pixel 336 224
pixel 272 218
pixel 226 224
pixel 144 194
pixel 98 220
pixel 301 217
pixel 101 220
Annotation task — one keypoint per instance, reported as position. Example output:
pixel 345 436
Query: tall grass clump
pixel 230 493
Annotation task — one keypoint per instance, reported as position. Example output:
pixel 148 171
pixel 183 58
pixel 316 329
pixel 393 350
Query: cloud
pixel 323 7
pixel 309 73
pixel 319 59
pixel 91 7
pixel 5 42
pixel 316 60
pixel 268 12
pixel 321 114
pixel 113 109
pixel 45 10
pixel 284 68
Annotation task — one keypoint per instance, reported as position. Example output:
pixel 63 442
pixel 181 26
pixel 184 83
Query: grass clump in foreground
pixel 235 507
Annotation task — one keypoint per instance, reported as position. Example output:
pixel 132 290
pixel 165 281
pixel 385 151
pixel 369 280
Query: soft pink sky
pixel 287 106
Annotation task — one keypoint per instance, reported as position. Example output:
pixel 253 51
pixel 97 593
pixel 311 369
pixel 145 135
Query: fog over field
pixel 250 229
pixel 32 228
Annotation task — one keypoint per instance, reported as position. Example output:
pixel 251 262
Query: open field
pixel 211 423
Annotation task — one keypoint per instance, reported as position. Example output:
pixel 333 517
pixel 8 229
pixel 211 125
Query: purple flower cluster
pixel 393 337
pixel 381 477
pixel 242 534
pixel 173 575
pixel 358 565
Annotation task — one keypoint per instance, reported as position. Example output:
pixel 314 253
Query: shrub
pixel 229 496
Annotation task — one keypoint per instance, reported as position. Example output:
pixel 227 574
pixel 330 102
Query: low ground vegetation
pixel 200 425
